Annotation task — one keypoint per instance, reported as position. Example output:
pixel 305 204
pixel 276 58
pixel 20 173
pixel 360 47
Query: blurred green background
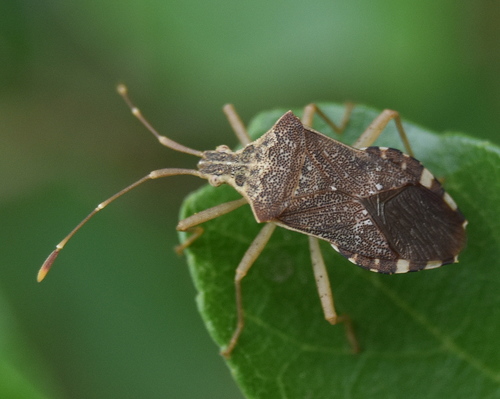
pixel 117 317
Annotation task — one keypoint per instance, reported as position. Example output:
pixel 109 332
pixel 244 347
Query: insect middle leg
pixel 319 268
pixel 252 253
pixel 326 294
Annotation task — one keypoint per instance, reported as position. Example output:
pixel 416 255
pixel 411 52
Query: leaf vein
pixel 446 341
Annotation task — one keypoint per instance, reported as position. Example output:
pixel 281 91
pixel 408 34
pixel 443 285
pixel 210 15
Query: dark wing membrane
pixel 417 223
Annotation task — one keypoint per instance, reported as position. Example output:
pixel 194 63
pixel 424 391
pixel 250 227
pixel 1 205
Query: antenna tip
pixel 47 265
pixel 121 89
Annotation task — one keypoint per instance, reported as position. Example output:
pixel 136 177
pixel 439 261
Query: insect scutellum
pixel 378 207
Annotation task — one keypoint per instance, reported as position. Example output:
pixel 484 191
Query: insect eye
pixel 215 181
pixel 222 148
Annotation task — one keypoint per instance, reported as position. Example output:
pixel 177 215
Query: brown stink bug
pixel 378 207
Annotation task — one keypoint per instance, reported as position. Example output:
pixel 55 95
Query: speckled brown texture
pixel 370 204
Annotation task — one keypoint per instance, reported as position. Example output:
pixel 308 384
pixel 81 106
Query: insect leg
pixel 378 125
pixel 236 123
pixel 252 253
pixel 311 109
pixel 326 295
pixel 191 223
pixel 322 281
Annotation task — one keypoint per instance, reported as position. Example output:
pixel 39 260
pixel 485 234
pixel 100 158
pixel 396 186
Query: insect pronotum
pixel 378 207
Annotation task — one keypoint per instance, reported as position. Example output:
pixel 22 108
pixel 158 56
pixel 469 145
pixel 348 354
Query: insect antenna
pixel 122 90
pixel 152 175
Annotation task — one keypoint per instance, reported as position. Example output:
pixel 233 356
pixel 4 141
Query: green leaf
pixel 21 373
pixel 432 334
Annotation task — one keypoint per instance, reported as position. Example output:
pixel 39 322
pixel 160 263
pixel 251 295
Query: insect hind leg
pixel 378 125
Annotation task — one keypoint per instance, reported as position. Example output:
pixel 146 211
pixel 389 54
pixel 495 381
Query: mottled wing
pixel 378 207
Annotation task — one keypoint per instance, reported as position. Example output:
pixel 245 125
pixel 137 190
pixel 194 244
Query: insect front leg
pixel 378 125
pixel 237 125
pixel 252 253
pixel 326 294
pixel 311 109
pixel 191 223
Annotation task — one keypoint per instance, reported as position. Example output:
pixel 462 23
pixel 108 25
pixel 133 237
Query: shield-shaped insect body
pixel 377 206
